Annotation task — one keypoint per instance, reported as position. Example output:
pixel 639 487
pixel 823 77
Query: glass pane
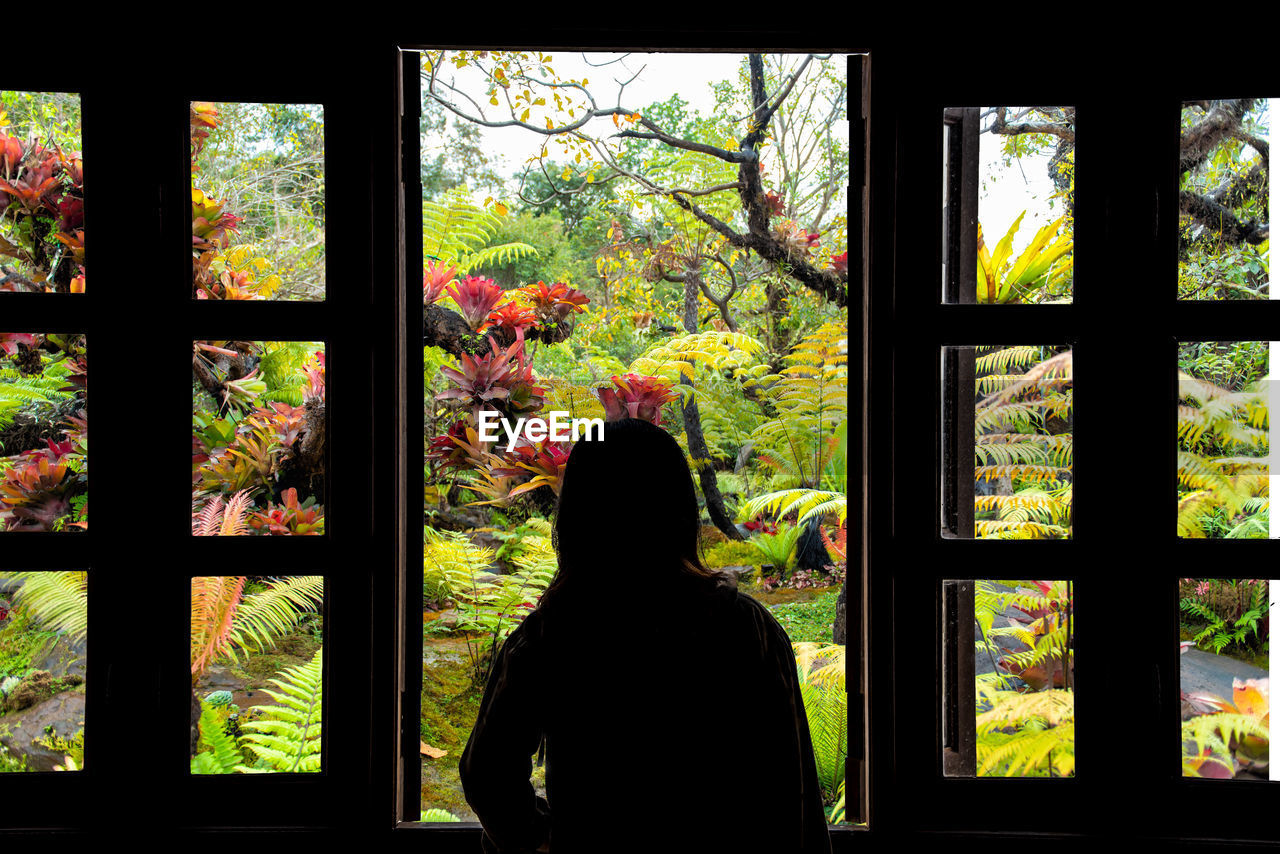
pixel 1024 697
pixel 1225 678
pixel 257 674
pixel 1224 439
pixel 592 327
pixel 43 646
pixel 1012 169
pixel 41 193
pixel 257 201
pixel 1224 197
pixel 44 432
pixel 1019 431
pixel 258 438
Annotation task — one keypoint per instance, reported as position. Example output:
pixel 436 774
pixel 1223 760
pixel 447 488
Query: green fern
pixel 821 669
pixel 58 600
pixel 288 736
pixel 457 232
pixel 223 754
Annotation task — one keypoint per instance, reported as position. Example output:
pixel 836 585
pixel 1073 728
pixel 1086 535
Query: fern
pixel 223 755
pixel 1027 734
pixel 58 600
pixel 821 669
pixel 456 232
pixel 288 736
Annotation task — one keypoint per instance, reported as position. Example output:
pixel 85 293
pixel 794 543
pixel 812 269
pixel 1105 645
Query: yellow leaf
pixel 428 750
pixel 524 117
pixel 549 125
pixel 566 174
pixel 494 100
pixel 500 209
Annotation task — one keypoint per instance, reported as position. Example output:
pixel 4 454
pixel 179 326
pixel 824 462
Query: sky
pixel 656 77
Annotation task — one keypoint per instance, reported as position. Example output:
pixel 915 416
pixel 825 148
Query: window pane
pixel 41 193
pixel 258 438
pixel 44 432
pixel 257 669
pixel 1225 676
pixel 594 326
pixel 1009 190
pixel 1223 439
pixel 43 646
pixel 1022 632
pixel 1224 198
pixel 258 201
pixel 1018 429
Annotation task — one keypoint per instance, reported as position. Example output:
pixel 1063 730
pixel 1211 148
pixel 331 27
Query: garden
pixel 638 264
pixel 41 193
pixel 43 644
pixel 257 674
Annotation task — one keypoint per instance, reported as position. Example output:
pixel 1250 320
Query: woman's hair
pixel 627 505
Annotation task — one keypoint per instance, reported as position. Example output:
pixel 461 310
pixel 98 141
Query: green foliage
pixel 808 622
pixel 1027 730
pixel 732 553
pixel 457 232
pixel 220 753
pixel 1222 480
pixel 1226 616
pixel 1023 445
pixel 776 549
pixel 57 600
pixel 287 737
pixel 821 668
pixel 488 603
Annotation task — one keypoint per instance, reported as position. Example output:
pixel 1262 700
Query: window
pixel 1126 332
pixel 507 263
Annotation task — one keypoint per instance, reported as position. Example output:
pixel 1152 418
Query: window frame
pixel 409 569
pixel 1124 304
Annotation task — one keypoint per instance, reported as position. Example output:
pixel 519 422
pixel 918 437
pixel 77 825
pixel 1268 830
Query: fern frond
pixel 288 736
pixel 223 755
pixel 58 600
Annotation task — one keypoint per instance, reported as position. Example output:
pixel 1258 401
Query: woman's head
pixel 627 502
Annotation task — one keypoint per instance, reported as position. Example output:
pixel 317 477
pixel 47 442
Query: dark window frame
pixel 1123 326
pixel 408 799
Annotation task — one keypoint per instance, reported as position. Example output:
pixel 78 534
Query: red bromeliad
pixel 636 396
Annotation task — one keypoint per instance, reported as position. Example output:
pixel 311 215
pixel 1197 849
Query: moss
pixel 36 687
pixel 808 621
pixel 450 703
pixel 21 640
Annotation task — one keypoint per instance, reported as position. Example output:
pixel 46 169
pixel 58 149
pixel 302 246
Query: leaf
pixel 427 750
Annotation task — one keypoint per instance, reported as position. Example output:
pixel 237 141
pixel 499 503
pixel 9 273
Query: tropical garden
pixel 43 633
pixel 257 438
pixel 1027 204
pixel 41 193
pixel 257 674
pixel 681 264
pixel 44 432
pixel 257 201
pixel 1223 200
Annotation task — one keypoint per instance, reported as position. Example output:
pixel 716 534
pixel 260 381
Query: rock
pixel 220 678
pixel 19 731
pixel 735 573
pixel 64 658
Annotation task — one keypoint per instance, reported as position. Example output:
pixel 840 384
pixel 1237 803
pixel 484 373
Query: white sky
pixel 660 76
pixel 1004 192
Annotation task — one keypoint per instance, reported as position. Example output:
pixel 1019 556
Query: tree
pixel 715 181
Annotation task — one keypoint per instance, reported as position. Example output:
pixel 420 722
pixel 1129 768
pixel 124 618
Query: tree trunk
pixel 697 442
pixel 195 722
pixel 839 629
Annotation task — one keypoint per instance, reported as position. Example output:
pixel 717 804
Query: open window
pixel 593 274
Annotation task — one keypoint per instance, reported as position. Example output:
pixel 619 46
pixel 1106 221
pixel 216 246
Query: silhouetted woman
pixel 669 703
